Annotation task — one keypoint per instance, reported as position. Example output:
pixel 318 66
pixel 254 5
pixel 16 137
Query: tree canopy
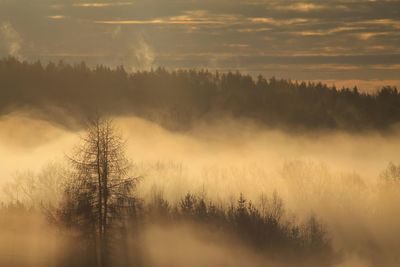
pixel 178 99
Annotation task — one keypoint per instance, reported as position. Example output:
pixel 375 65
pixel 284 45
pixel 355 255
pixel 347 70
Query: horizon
pixel 365 86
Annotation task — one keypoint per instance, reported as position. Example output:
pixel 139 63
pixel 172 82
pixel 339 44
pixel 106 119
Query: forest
pixel 103 167
pixel 99 211
pixel 178 99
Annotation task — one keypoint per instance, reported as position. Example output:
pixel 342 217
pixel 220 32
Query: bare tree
pixel 101 190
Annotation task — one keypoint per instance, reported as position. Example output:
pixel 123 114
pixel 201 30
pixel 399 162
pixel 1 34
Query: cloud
pixel 368 35
pixel 341 29
pixel 142 54
pixel 191 17
pixel 302 7
pixel 103 4
pixel 382 22
pixel 202 17
pixel 279 22
pixel 56 17
pixel 11 39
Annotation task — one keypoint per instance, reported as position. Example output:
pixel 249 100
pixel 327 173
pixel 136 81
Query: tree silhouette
pixel 100 192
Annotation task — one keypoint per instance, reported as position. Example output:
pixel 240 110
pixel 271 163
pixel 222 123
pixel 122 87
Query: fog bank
pixel 334 175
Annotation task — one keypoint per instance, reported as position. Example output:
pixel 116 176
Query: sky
pixel 344 42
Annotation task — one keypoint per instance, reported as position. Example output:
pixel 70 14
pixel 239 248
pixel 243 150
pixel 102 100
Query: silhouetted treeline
pixel 265 230
pixel 265 227
pixel 177 99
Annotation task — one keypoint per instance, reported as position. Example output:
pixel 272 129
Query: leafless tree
pixel 101 191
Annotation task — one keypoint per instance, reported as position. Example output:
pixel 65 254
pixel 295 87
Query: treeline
pixel 267 231
pixel 178 99
pixel 264 227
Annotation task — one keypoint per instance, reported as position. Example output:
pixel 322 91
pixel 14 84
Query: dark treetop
pixel 178 99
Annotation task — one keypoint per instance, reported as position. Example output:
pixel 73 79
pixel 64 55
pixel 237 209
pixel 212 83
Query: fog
pixel 191 244
pixel 335 176
pixel 29 143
